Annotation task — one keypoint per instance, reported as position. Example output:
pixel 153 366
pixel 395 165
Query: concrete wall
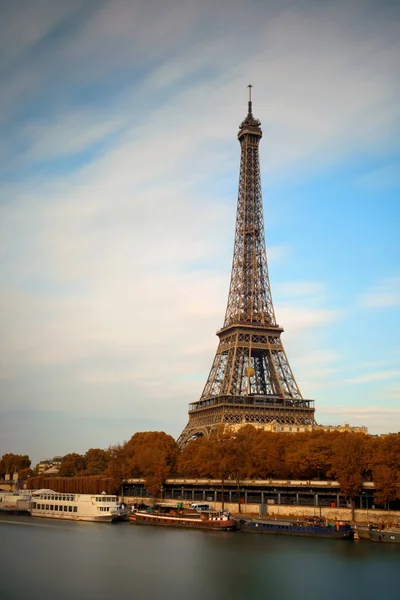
pixel 340 514
pixel 7 485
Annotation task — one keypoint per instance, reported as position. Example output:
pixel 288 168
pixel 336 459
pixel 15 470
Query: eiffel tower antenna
pixel 250 381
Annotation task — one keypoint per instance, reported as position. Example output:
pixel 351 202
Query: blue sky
pixel 119 168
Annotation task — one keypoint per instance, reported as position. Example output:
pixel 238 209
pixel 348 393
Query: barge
pixel 309 528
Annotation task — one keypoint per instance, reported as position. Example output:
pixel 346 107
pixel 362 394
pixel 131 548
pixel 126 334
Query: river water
pixel 48 559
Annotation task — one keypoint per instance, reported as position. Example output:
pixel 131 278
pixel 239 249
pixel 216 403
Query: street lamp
pixel 366 503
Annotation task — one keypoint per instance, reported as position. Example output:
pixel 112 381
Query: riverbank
pixel 373 516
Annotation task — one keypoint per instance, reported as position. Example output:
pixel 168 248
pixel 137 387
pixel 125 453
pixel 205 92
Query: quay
pixel 275 498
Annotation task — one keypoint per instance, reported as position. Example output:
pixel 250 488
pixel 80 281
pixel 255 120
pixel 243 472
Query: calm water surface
pixel 49 559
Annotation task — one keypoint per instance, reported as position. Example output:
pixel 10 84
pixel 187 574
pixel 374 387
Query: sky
pixel 119 167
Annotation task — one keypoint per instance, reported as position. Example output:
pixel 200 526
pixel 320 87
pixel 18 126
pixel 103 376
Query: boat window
pixel 56 507
pixel 52 497
pixel 65 508
pixel 47 507
pixel 75 509
pixel 51 507
pixel 33 504
pixel 70 508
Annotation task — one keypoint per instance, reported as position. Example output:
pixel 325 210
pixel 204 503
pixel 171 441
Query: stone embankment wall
pixel 332 514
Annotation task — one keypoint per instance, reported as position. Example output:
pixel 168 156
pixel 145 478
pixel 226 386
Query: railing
pixel 273 402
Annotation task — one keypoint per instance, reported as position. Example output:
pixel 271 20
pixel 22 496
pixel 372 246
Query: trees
pixel 10 463
pixel 385 465
pixel 350 462
pixel 240 450
pixel 150 454
pixel 310 455
pixel 72 464
pixel 96 461
pixel 226 455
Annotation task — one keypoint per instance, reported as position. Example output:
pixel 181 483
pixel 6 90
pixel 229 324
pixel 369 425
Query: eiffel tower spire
pixel 250 381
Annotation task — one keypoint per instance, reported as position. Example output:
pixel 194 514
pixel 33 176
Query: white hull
pixel 75 517
pixel 13 502
pixel 97 508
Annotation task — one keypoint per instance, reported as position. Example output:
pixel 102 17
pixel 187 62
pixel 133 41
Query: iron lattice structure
pixel 250 381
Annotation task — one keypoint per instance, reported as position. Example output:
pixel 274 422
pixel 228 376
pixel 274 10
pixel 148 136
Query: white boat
pixel 14 502
pixel 76 507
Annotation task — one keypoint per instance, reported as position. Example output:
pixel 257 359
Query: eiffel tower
pixel 250 381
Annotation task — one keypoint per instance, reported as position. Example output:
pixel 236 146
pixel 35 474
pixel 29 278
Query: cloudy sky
pixel 118 170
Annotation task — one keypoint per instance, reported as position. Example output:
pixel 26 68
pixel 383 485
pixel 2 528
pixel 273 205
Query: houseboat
pixel 100 508
pixel 310 528
pixel 170 516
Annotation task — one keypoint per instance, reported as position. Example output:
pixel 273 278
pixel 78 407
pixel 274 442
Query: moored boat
pixel 385 534
pixel 15 502
pixel 77 507
pixel 175 517
pixel 379 533
pixel 310 528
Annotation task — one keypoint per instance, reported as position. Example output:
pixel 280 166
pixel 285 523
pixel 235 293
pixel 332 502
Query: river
pixel 47 559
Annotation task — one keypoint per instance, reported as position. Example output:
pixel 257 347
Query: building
pixel 46 463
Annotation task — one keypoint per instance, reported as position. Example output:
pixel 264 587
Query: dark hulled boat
pixel 379 533
pixel 313 528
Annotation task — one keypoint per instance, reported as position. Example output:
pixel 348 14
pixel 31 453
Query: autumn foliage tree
pixel 350 461
pixel 150 454
pixel 72 464
pixel 385 465
pixel 235 455
pixel 11 463
pixel 94 462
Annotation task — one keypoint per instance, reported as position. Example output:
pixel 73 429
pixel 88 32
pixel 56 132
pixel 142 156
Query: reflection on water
pixel 58 560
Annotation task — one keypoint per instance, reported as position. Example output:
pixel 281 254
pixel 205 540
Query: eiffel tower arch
pixel 250 381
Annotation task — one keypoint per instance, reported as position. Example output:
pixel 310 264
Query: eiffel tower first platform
pixel 250 381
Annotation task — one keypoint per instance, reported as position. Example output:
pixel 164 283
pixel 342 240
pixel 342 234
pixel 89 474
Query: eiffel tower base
pixel 256 411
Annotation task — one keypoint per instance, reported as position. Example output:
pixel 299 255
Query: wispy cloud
pixel 367 377
pixel 386 294
pixel 367 411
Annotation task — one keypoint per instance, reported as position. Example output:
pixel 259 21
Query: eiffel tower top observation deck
pixel 250 381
